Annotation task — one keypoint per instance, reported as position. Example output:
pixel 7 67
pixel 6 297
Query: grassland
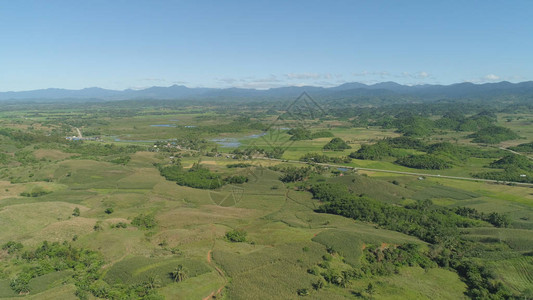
pixel 285 235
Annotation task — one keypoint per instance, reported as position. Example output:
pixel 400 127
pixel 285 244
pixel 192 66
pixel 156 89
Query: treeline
pixel 437 226
pixel 430 224
pixel 187 141
pixel 324 159
pixel 426 161
pixel 494 218
pixel 238 165
pixel 299 134
pixel 247 153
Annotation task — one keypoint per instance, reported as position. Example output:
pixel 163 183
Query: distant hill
pixel 346 90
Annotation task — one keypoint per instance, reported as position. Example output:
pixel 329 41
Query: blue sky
pixel 261 44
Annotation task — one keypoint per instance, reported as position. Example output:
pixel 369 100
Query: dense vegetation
pixel 526 147
pixel 437 226
pixel 322 158
pixel 144 221
pixel 196 177
pixel 293 174
pixel 337 144
pixel 424 162
pixel 515 167
pixel 236 236
pixel 442 155
pixel 86 270
pixel 493 135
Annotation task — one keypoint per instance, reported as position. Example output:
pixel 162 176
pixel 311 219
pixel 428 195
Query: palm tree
pixel 153 282
pixel 179 274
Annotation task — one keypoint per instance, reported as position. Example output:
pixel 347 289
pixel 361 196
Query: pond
pixel 235 142
pixel 163 125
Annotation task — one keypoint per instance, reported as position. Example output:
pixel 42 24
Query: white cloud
pixel 303 76
pixel 381 74
pixel 154 79
pixel 252 82
pixel 423 75
pixel 491 77
pixel 417 75
pixel 227 80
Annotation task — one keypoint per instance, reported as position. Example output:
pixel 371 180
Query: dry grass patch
pixel 25 221
pixel 64 230
pixel 51 154
pixel 179 218
pixel 8 190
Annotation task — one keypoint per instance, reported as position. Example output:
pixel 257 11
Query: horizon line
pixel 263 89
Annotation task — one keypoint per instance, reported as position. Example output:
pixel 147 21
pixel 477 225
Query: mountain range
pixel 353 89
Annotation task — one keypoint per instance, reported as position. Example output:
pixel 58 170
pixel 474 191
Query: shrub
pixel 143 221
pixel 238 165
pixel 12 247
pixel 236 179
pixel 236 236
pixel 293 174
pixel 35 193
pixel 76 212
pixel 123 160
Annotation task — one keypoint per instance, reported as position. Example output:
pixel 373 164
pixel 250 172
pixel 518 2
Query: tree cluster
pixel 337 144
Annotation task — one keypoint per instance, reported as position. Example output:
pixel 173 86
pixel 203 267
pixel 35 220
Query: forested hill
pixel 386 90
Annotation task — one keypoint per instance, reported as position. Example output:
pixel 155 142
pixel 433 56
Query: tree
pixel 319 284
pixel 179 274
pixel 236 236
pixel 370 289
pixel 143 221
pixel 76 212
pixel 153 282
pixel 303 292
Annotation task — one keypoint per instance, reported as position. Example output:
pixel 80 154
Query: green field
pixel 88 196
